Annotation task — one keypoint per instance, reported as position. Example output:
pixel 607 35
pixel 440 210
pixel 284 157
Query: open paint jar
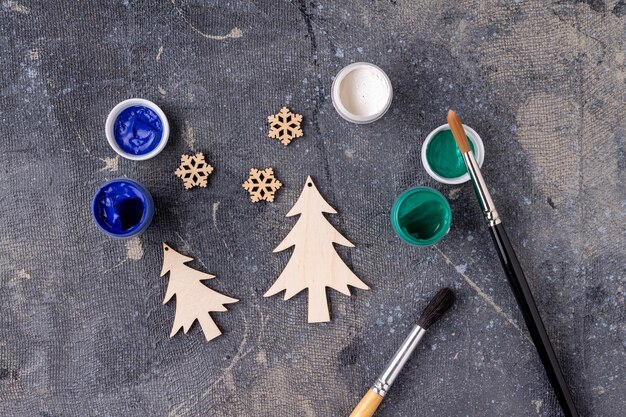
pixel 442 158
pixel 137 129
pixel 421 216
pixel 122 208
pixel 361 93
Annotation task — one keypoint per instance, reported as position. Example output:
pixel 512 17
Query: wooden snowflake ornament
pixel 314 264
pixel 285 126
pixel 262 185
pixel 194 300
pixel 193 170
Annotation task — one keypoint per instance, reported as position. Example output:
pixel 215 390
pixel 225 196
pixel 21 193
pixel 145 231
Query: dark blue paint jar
pixel 137 129
pixel 122 208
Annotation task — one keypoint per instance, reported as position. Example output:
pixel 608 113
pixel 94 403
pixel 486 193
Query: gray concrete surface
pixel 82 328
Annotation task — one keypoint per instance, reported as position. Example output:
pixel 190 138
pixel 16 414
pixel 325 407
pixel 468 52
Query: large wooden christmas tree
pixel 314 264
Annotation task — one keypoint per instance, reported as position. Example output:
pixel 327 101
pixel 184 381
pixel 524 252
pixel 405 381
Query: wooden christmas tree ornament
pixel 262 184
pixel 194 300
pixel 193 170
pixel 314 264
pixel 285 126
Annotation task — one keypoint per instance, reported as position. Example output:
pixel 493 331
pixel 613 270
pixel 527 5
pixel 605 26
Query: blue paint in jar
pixel 122 208
pixel 138 130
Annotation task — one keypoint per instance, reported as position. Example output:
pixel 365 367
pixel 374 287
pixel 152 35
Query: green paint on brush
pixel 444 156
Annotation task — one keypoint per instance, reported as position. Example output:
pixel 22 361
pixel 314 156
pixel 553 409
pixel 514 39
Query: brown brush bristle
pixel 458 132
pixel 440 303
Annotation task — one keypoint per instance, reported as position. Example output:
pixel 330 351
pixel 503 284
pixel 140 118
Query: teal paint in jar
pixel 443 160
pixel 421 216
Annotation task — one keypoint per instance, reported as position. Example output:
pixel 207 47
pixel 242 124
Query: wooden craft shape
pixel 194 300
pixel 314 264
pixel 285 126
pixel 193 170
pixel 262 184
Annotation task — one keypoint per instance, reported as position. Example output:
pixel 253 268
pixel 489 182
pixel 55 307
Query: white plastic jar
pixel 362 93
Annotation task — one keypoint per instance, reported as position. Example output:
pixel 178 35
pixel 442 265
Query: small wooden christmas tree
pixel 314 264
pixel 194 300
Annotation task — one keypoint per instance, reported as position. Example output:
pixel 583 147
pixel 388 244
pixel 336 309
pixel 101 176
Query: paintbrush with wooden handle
pixel 440 303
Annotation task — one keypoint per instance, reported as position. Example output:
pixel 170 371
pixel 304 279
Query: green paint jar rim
pixel 479 153
pixel 446 215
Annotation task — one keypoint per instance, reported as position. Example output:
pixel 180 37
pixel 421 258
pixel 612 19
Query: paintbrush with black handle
pixel 440 303
pixel 514 272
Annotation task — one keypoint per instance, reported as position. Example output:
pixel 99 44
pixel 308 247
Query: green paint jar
pixel 421 216
pixel 443 160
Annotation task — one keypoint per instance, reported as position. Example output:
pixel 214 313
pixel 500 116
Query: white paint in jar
pixel 362 93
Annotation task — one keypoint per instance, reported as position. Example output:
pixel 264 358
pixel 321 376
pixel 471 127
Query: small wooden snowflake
pixel 193 170
pixel 285 126
pixel 262 184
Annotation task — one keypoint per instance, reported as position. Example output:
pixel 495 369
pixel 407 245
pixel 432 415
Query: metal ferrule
pixel 386 378
pixel 380 387
pixel 480 187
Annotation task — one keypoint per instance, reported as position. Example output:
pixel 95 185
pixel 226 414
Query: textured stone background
pixel 82 328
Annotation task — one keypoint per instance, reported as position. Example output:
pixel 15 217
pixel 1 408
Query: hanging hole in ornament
pixel 310 184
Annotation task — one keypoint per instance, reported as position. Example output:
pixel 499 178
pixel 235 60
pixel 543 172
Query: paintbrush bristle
pixel 440 303
pixel 458 132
